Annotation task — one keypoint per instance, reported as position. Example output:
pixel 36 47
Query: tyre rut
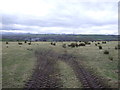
pixel 44 75
pixel 87 79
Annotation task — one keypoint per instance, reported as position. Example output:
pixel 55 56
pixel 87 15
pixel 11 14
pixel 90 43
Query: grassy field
pixel 99 63
pixel 1 65
pixel 19 62
pixel 68 76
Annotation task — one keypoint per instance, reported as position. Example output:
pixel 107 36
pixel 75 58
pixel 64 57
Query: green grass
pixel 18 62
pixel 65 73
pixel 96 61
pixel 0 65
pixel 68 77
pixel 100 63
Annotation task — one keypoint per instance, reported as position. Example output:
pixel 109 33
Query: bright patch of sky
pixel 59 16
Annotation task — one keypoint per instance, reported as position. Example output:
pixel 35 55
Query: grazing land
pixel 60 64
pixel 1 65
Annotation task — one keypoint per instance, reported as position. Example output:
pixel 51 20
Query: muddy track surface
pixel 87 79
pixel 44 75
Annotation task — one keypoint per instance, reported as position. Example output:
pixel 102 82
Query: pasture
pixel 19 63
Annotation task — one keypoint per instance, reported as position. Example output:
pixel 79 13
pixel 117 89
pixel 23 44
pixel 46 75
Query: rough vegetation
pixel 106 52
pixel 100 47
pixel 45 64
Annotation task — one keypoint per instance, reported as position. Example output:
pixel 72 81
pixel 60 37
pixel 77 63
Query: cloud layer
pixel 59 16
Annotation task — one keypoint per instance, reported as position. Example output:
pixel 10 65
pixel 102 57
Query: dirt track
pixel 45 73
pixel 87 79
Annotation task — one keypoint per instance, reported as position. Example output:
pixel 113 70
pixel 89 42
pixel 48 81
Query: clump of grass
pixel 117 47
pixel 6 42
pixel 82 44
pixel 20 43
pixel 6 46
pixel 100 47
pixel 29 43
pixel 98 43
pixel 53 43
pixel 95 44
pixel 25 41
pixel 106 52
pixel 88 43
pixel 104 42
pixel 64 45
pixel 72 45
pixel 110 58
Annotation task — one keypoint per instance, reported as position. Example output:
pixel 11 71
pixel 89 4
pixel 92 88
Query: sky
pixel 59 16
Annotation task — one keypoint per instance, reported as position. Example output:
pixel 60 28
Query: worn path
pixel 45 74
pixel 87 79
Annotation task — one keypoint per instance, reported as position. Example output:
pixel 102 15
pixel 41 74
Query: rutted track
pixel 87 79
pixel 45 73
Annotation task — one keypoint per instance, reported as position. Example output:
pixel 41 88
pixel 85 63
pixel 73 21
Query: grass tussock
pixel 19 62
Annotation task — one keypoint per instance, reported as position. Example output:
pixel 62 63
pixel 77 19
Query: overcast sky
pixel 59 16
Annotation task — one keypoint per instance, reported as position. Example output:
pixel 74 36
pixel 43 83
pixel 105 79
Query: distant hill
pixel 58 37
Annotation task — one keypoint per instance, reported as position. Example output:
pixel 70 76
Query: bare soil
pixel 87 79
pixel 45 73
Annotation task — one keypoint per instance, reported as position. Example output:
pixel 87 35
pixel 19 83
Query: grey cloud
pixel 65 14
pixel 10 27
pixel 59 21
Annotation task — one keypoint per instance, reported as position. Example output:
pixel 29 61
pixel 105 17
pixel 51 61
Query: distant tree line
pixel 60 37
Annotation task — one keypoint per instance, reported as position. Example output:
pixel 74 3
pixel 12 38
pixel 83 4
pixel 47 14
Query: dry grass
pixel 0 65
pixel 18 62
pixel 68 76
